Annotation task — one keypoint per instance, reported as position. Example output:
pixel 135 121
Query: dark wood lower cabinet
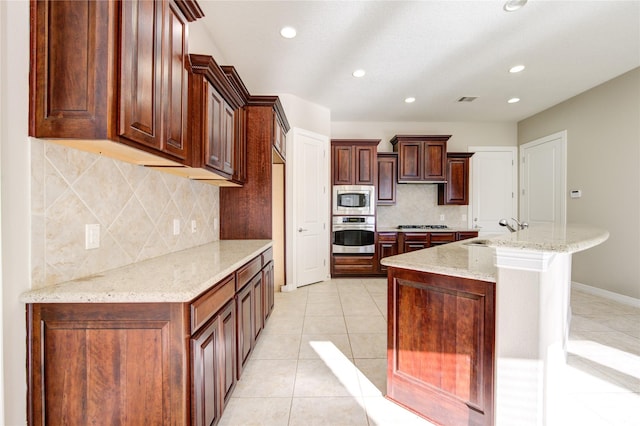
pixel 107 364
pixel 359 265
pixel 145 363
pixel 441 346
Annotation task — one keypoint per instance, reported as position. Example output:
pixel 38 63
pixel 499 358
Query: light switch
pixel 176 226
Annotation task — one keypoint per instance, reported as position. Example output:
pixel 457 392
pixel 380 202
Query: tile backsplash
pixel 417 204
pixel 135 207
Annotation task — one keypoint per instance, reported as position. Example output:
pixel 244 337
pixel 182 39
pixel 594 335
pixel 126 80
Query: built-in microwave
pixel 353 200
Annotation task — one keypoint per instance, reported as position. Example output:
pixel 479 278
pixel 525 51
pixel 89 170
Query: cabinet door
pixel 387 177
pixel 258 306
pixel 227 124
pixel 410 161
pixel 69 76
pixel 244 317
pixel 268 286
pixel 93 363
pixel 456 190
pixel 175 95
pixel 435 156
pixel 205 371
pixel 365 165
pixel 342 165
pixel 386 246
pixel 214 146
pixel 141 112
pixel 412 241
pixel 227 351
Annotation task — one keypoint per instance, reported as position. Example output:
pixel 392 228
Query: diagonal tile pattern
pixel 321 360
pixel 135 207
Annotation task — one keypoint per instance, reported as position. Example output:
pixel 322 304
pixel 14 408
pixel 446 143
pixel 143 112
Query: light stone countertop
pixel 460 259
pixel 175 277
pixel 396 229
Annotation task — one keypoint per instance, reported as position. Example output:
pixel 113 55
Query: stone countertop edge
pixel 477 262
pixel 176 277
pixel 570 238
pixel 425 230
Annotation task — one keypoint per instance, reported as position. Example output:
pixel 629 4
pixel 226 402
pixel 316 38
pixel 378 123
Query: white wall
pixel 15 190
pixel 603 154
pixel 306 115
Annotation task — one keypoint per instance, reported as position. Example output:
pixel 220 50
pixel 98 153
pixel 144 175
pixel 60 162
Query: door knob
pixel 302 229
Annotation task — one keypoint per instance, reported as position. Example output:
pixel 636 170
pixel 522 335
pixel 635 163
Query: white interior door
pixel 309 202
pixel 493 187
pixel 543 180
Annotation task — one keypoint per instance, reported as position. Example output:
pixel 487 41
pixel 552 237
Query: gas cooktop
pixel 422 226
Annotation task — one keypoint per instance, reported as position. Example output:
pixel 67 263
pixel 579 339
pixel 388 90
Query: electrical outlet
pixel 194 226
pixel 215 223
pixel 91 236
pixel 441 218
pixel 176 226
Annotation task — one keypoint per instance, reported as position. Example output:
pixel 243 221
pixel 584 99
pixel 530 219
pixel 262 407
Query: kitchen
pixel 17 163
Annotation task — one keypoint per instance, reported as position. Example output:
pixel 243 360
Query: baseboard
pixel 620 298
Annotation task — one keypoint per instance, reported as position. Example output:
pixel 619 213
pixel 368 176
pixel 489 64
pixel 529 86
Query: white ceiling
pixel 436 51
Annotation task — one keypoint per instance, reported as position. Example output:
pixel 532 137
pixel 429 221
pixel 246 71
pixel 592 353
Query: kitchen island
pixel 477 329
pixel 161 341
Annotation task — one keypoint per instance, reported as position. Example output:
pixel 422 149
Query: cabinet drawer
pixel 204 307
pixel 267 256
pixel 467 234
pixel 443 237
pixel 248 271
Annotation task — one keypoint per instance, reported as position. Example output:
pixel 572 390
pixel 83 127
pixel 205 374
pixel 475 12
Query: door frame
pixel 291 189
pixel 514 177
pixel 562 135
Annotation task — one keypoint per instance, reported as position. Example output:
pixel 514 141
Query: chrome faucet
pixel 519 225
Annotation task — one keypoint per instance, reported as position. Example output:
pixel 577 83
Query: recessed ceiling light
pixel 516 69
pixel 410 100
pixel 359 73
pixel 513 100
pixel 288 32
pixel 513 5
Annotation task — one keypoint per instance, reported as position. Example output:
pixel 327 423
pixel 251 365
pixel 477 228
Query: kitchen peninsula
pixel 477 329
pixel 162 341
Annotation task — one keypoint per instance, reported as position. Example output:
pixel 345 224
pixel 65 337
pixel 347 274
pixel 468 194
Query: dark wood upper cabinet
pixel 421 158
pixel 71 68
pixel 112 70
pixel 387 178
pixel 456 189
pixel 213 102
pixel 246 213
pixel 354 161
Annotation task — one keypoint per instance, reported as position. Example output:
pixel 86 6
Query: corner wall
pixel 603 157
pixel 15 190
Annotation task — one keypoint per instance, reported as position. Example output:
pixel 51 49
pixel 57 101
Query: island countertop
pixel 466 260
pixel 175 277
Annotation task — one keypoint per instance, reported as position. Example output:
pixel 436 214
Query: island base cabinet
pixel 106 364
pixel 441 346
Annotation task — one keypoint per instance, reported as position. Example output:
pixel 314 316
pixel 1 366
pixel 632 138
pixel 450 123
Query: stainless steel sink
pixel 477 243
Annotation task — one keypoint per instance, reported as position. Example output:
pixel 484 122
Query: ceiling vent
pixel 467 99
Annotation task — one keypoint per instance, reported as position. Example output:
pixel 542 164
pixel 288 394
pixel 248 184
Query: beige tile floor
pixel 321 360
